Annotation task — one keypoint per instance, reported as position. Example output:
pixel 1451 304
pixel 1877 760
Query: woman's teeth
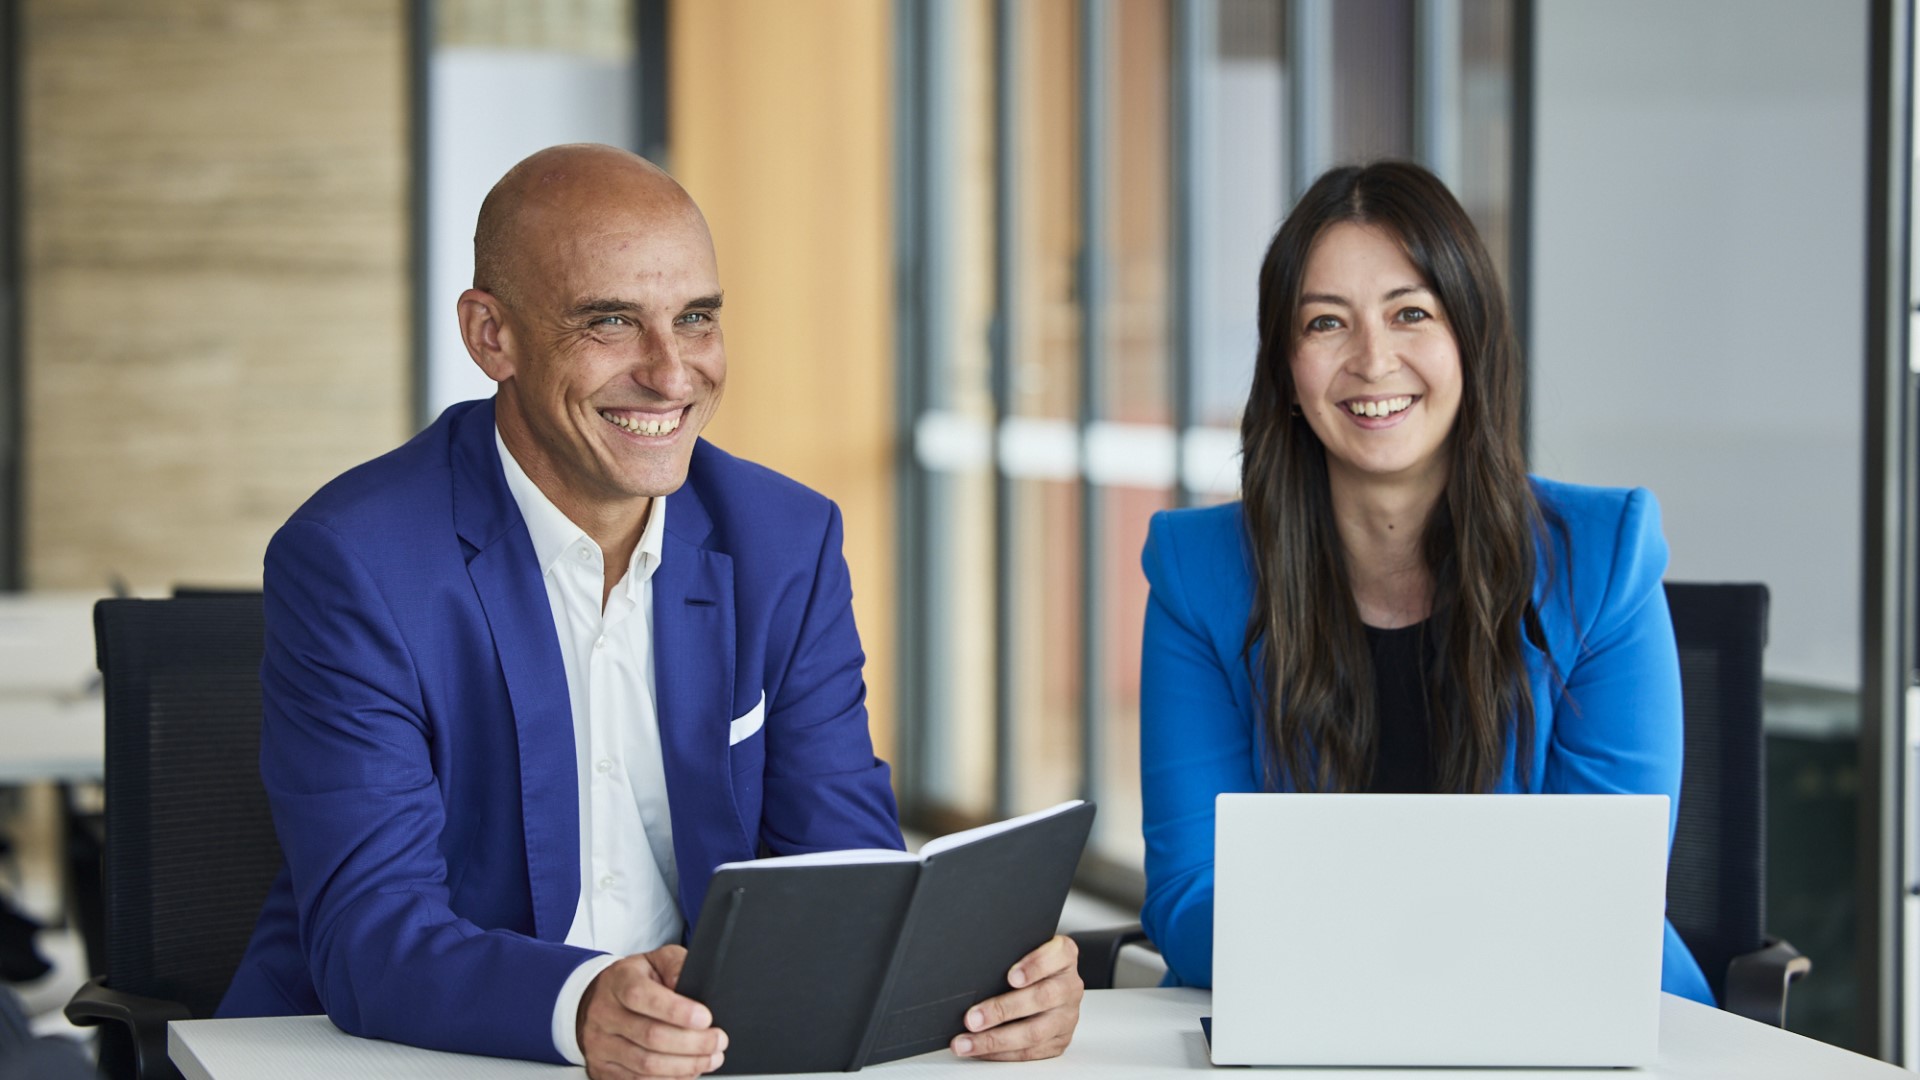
pixel 663 426
pixel 1379 408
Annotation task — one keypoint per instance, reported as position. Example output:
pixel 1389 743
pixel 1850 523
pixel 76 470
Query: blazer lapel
pixel 506 578
pixel 693 650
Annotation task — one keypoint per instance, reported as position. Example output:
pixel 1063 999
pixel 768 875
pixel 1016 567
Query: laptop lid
pixel 1479 930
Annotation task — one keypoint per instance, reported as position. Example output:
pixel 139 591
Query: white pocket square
pixel 748 724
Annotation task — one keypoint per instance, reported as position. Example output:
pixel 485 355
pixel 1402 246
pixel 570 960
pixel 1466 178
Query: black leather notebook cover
pixel 832 967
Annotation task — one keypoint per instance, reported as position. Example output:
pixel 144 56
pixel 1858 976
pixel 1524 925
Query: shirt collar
pixel 553 532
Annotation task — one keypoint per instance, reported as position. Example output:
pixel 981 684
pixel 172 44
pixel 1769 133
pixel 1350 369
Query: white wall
pixel 1698 276
pixel 492 107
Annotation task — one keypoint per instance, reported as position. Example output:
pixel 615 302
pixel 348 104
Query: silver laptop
pixel 1479 930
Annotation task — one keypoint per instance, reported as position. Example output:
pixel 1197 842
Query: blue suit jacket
pixel 1606 622
pixel 418 745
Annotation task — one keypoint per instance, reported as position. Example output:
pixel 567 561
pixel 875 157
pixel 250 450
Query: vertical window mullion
pixel 911 209
pixel 1438 105
pixel 420 35
pixel 1310 111
pixel 1887 658
pixel 942 725
pixel 1194 26
pixel 12 296
pixel 1095 51
pixel 651 55
pixel 1006 208
pixel 1520 209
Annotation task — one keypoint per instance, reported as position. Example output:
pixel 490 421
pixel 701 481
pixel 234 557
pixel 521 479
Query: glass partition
pixel 1115 170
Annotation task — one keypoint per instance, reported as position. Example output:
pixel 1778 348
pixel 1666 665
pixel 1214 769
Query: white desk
pixel 1123 1033
pixel 52 739
pixel 51 722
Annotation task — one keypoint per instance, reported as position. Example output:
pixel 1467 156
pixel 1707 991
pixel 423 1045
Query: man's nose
pixel 660 368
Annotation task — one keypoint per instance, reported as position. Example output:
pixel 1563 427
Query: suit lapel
pixel 506 578
pixel 693 650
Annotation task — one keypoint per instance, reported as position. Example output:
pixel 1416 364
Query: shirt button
pixel 606 882
pixel 600 642
pixel 604 766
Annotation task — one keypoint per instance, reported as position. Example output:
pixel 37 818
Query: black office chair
pixel 85 826
pixel 190 848
pixel 1716 876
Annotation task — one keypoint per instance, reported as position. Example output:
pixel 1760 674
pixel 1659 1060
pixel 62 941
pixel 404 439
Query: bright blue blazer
pixel 1606 623
pixel 418 749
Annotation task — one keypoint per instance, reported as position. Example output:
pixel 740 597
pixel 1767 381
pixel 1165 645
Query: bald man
pixel 530 677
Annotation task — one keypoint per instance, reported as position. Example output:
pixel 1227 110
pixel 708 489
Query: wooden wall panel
pixel 215 261
pixel 781 128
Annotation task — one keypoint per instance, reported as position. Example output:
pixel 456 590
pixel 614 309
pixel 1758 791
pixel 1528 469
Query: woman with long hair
pixel 1394 604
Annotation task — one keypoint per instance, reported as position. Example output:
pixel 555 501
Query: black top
pixel 1403 761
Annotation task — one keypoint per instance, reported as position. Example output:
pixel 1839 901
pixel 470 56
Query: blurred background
pixel 990 268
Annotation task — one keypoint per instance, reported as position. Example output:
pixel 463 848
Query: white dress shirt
pixel 628 881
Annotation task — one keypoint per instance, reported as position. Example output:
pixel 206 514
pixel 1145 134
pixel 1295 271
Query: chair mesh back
pixel 190 843
pixel 1716 878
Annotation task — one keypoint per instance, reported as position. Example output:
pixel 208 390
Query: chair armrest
pixel 145 1019
pixel 1100 952
pixel 1757 982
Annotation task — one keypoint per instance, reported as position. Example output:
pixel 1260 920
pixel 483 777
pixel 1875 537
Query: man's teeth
pixel 638 426
pixel 1379 408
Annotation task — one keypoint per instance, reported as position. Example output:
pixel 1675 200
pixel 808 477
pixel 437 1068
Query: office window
pixel 1088 189
pixel 500 80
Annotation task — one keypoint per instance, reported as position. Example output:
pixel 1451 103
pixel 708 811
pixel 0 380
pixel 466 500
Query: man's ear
pixel 483 327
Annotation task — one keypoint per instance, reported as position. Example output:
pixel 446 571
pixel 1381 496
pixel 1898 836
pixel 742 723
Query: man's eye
pixel 692 317
pixel 611 320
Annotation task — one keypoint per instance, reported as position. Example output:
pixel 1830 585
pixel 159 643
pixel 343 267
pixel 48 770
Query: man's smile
pixel 645 424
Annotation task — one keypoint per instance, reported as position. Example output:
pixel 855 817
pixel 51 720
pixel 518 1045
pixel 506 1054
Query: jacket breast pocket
pixel 746 737
pixel 747 754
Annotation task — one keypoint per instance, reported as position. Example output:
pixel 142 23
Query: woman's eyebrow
pixel 1331 298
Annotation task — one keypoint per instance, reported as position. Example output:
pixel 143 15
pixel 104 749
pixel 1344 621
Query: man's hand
pixel 632 1024
pixel 1036 1018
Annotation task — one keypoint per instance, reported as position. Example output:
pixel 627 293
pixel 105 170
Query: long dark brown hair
pixel 1313 670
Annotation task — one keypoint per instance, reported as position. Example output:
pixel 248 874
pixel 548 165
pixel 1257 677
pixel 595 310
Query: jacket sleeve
pixel 1618 727
pixel 823 787
pixel 1194 744
pixel 359 812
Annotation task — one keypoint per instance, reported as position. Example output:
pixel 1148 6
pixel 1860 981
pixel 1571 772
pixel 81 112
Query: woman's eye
pixel 1321 323
pixel 1414 314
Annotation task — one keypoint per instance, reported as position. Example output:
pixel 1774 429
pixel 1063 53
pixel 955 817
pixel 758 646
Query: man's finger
pixel 1057 955
pixel 610 1070
pixel 1049 993
pixel 625 1034
pixel 1040 1036
pixel 662 1037
pixel 650 998
pixel 647 1063
pixel 667 961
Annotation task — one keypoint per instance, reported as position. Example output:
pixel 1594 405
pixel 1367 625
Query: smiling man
pixel 530 677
